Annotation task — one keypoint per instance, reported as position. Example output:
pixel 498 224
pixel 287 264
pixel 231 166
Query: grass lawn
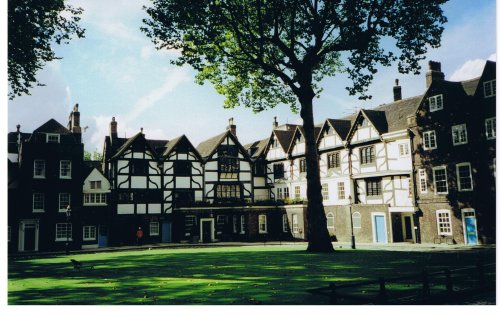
pixel 229 275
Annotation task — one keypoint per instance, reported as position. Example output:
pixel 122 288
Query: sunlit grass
pixel 236 275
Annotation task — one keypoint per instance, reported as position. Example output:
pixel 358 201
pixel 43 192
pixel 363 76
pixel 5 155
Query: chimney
pixel 142 131
pixel 74 123
pixel 231 127
pixel 275 123
pixel 434 72
pixel 113 129
pixel 397 91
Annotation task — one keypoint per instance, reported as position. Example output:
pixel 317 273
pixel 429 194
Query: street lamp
pixel 353 238
pixel 68 216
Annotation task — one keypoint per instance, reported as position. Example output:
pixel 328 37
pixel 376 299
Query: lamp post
pixel 68 216
pixel 353 238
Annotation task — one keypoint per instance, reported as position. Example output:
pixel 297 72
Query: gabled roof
pixel 208 147
pixel 89 165
pixel 341 126
pixel 378 119
pixel 171 145
pixel 470 86
pixel 128 142
pixel 52 126
pixel 255 149
pixel 300 129
pixel 284 138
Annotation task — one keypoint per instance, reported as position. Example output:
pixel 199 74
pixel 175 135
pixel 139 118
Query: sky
pixel 115 71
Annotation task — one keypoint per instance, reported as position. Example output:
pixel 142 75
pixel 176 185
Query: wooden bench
pixel 77 265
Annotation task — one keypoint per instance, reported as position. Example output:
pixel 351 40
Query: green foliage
pixel 33 26
pixel 260 53
pixel 87 156
pixel 95 156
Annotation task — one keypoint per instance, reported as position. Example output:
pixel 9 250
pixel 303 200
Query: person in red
pixel 139 236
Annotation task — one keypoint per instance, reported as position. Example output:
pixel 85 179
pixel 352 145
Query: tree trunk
pixel 317 233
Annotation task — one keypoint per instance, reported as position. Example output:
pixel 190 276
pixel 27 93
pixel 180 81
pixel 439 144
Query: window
pixel 333 160
pixel 404 150
pixel 38 202
pixel 430 140
pixel 53 138
pixel 95 185
pixel 228 159
pixel 324 191
pixel 182 168
pixel 297 192
pixel 262 224
pixel 221 219
pixel 436 103
pixel 491 128
pixel 459 134
pixel 283 193
pixel 243 224
pixel 65 169
pixel 139 167
pixel 464 174
pixel 235 223
pixel 443 219
pixel 302 165
pixel 228 192
pixel 183 197
pixel 285 223
pixel 279 171
pixel 125 197
pixel 367 155
pixel 374 187
pixel 356 220
pixel 422 180
pixel 39 169
pixel 440 180
pixel 154 229
pixel 490 88
pixel 190 220
pixel 64 200
pixel 89 233
pixel 329 220
pixel 259 168
pixel 341 191
pixel 286 193
pixel 63 231
pixel 295 223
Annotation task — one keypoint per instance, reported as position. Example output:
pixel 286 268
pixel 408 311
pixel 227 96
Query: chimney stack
pixel 231 127
pixel 434 72
pixel 275 123
pixel 397 91
pixel 113 129
pixel 74 123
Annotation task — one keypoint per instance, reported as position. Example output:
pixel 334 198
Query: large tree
pixel 261 53
pixel 33 26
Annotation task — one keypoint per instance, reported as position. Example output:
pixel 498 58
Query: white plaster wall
pixel 182 182
pixel 154 208
pixel 138 182
pixel 141 208
pixel 125 208
pixel 122 182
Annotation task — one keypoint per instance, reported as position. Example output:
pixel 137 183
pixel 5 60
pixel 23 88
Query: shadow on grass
pixel 213 276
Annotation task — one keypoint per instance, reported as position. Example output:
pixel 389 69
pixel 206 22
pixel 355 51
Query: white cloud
pixel 470 69
pixel 493 57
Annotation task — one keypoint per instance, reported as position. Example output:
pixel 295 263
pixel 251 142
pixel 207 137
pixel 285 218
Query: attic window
pixel 490 88
pixel 53 138
pixel 436 103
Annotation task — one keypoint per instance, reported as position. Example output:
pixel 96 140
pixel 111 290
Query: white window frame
pixel 436 103
pixel 68 229
pixel 422 180
pixel 357 216
pixel 284 219
pixel 492 86
pixel 434 179
pixel 461 132
pixel 295 223
pixel 431 135
pixel 154 229
pixel 279 193
pixel 243 224
pixel 297 193
pixel 286 193
pixel 95 185
pixel 404 149
pixel 63 209
pixel 41 175
pixel 341 190
pixel 61 176
pixel 190 220
pixel 89 233
pixel 262 224
pixel 39 210
pixel 490 128
pixel 446 219
pixel 48 137
pixel 325 193
pixel 462 164
pixel 330 217
pixel 94 199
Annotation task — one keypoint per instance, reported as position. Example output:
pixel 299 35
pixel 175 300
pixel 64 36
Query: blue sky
pixel 115 71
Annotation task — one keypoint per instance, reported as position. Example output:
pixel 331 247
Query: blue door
pixel 166 232
pixel 470 230
pixel 102 238
pixel 380 233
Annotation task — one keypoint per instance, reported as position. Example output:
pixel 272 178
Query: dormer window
pixel 490 88
pixel 53 138
pixel 436 103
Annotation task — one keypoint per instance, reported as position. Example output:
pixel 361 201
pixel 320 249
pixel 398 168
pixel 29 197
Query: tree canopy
pixel 262 53
pixel 33 26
